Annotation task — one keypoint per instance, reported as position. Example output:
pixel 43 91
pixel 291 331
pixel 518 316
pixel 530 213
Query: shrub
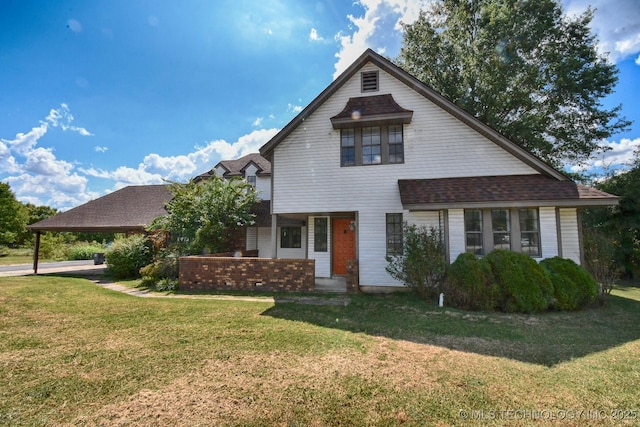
pixel 162 274
pixel 523 285
pixel 84 251
pixel 128 255
pixel 4 251
pixel 600 261
pixel 573 287
pixel 470 285
pixel 422 264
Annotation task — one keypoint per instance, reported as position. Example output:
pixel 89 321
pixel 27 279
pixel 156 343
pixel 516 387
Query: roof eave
pixel 566 203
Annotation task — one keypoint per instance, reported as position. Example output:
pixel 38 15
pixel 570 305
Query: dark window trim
pixel 395 239
pixel 347 151
pixel 516 232
pixel 290 237
pixel 321 234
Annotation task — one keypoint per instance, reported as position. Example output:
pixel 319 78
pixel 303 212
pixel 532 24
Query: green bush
pixel 573 287
pixel 84 251
pixel 162 274
pixel 421 265
pixel 470 285
pixel 523 285
pixel 128 255
pixel 4 251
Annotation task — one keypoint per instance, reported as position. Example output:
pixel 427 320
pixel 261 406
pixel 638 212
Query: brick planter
pixel 204 273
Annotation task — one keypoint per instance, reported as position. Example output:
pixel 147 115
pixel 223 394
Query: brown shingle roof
pixel 128 209
pixel 237 167
pixel 507 190
pixel 371 108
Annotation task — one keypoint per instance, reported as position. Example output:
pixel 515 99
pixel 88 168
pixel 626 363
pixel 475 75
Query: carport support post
pixel 36 252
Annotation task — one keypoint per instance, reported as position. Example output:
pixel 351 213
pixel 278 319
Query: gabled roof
pixel 426 91
pixel 498 191
pixel 237 167
pixel 131 208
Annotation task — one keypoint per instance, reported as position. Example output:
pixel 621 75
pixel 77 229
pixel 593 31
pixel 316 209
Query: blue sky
pixel 97 95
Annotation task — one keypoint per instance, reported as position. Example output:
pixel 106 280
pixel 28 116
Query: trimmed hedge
pixel 524 286
pixel 470 284
pixel 573 287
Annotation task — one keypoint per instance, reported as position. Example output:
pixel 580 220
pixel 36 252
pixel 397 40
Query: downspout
pixel 36 253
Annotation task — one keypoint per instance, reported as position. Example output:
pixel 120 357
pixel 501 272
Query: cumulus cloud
pixel 257 122
pixel 100 149
pixel 616 23
pixel 35 174
pixel 294 108
pixel 614 155
pixel 156 169
pixel 379 29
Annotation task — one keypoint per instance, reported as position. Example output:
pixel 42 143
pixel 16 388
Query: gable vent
pixel 369 81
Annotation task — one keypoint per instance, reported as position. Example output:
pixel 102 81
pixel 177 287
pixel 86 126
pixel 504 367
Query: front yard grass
pixel 76 354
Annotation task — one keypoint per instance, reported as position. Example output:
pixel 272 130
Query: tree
pixel 206 214
pixel 13 216
pixel 520 67
pixel 617 229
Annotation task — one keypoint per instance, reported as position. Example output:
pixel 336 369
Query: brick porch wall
pixel 204 273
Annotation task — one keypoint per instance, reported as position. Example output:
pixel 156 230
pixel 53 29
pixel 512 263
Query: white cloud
pixel 155 169
pixel 294 108
pixel 379 29
pixel 100 149
pixel 41 161
pixel 62 118
pixel 314 36
pixel 257 122
pixel 617 24
pixel 615 155
pixel 24 142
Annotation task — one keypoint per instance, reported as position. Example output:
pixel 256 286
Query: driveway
pixel 85 267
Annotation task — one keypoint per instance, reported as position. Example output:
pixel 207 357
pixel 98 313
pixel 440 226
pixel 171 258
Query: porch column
pixel 36 253
pixel 274 236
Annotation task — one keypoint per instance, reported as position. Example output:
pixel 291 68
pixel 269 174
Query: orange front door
pixel 344 244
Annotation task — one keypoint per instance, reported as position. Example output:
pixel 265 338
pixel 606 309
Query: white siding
pixel 264 242
pixel 548 232
pixel 252 238
pixel 263 186
pixel 308 177
pixel 569 234
pixel 323 259
pixel 457 243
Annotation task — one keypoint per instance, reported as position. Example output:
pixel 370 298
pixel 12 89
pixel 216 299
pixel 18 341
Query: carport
pixel 129 210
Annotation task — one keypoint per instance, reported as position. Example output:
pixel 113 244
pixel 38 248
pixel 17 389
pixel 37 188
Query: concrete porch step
pixel 331 284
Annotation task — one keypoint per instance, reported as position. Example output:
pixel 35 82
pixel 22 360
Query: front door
pixel 344 244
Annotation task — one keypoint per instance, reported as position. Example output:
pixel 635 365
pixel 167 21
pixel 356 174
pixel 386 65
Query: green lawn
pixel 74 353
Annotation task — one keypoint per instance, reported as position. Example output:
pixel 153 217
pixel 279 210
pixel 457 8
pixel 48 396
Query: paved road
pixel 72 267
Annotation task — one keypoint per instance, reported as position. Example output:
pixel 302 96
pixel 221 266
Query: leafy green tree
pixel 619 224
pixel 207 214
pixel 13 216
pixel 521 67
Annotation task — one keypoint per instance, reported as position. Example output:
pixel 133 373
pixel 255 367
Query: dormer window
pixel 251 179
pixel 369 81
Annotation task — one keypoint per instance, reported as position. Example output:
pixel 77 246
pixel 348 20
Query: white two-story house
pixel 378 148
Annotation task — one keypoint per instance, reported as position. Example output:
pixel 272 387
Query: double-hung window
pixel 348 147
pixel 473 231
pixel 501 228
pixel 371 146
pixel 396 144
pixel 529 232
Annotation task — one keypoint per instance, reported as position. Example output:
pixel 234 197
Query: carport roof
pixel 129 209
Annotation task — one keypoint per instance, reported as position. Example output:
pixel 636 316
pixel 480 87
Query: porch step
pixel 334 284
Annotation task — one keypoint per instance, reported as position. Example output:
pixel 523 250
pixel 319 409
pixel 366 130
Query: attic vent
pixel 369 81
